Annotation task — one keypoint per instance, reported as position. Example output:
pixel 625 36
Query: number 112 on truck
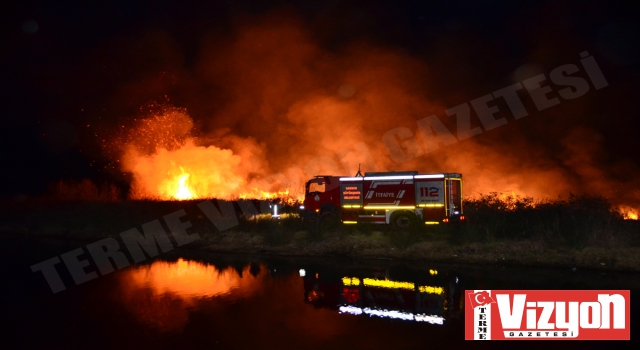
pixel 403 199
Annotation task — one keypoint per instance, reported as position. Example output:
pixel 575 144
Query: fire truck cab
pixel 403 199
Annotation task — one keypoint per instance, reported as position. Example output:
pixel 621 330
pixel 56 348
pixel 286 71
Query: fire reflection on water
pixel 160 294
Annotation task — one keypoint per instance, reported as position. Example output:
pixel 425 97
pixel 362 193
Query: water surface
pixel 198 300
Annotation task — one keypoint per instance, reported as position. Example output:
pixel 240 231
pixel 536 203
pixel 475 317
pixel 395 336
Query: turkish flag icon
pixel 480 298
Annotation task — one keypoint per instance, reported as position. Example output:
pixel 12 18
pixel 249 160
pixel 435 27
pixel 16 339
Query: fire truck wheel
pixel 328 220
pixel 403 220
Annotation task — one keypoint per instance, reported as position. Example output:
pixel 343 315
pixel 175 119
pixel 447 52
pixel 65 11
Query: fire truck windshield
pixel 316 187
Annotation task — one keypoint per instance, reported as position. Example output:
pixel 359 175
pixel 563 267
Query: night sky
pixel 74 72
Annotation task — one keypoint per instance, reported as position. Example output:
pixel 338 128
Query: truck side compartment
pixel 403 199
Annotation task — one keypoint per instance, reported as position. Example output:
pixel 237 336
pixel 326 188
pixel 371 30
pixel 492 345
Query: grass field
pixel 581 231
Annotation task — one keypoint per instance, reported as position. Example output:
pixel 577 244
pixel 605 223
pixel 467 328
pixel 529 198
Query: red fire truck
pixel 403 199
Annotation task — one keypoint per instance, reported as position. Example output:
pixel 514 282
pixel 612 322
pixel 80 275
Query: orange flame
pixel 161 294
pixel 184 191
pixel 187 279
pixel 168 163
pixel 629 213
pixel 257 193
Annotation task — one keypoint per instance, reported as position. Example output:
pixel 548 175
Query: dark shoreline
pixel 554 234
pixel 375 247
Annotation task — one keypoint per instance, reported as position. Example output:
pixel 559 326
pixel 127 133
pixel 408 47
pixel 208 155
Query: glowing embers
pixel 431 290
pixel 167 162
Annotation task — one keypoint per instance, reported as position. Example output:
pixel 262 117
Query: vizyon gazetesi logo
pixel 547 314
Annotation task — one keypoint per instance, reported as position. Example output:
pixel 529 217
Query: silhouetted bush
pixel 576 222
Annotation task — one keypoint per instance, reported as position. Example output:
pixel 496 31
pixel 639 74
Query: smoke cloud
pixel 270 106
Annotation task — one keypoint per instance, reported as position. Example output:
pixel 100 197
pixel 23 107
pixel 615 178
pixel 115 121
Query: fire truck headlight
pixel 456 212
pixel 302 207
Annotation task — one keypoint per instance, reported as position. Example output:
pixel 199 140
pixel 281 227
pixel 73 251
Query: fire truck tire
pixel 403 220
pixel 328 220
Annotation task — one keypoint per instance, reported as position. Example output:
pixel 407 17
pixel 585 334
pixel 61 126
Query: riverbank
pixel 605 242
pixel 378 245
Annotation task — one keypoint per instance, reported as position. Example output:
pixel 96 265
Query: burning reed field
pixel 118 116
pixel 577 232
